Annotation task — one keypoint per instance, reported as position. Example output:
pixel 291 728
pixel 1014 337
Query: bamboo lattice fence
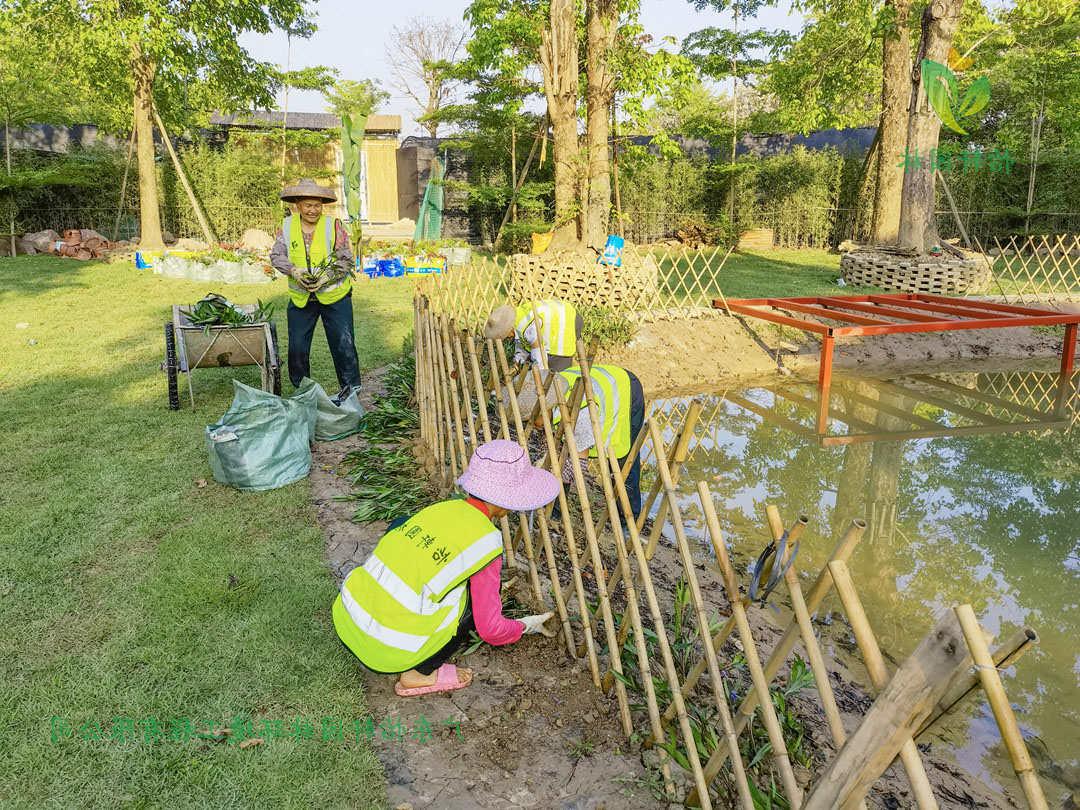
pixel 600 572
pixel 1036 268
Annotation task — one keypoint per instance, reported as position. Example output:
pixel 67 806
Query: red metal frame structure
pixel 911 313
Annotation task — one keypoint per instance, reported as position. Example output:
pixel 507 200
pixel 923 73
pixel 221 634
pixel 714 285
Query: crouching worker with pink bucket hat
pixel 435 577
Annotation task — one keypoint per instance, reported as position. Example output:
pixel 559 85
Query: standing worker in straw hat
pixel 549 328
pixel 434 578
pixel 312 249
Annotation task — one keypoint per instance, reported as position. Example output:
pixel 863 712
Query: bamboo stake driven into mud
pixel 820 589
pixel 599 573
pixel 672 674
pixel 1005 655
pixel 523 525
pixel 542 514
pixel 568 528
pixel 999 704
pixel 879 677
pixel 746 636
pixel 674 454
pixel 452 448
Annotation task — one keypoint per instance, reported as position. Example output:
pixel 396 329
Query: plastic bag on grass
pixel 334 421
pixel 262 441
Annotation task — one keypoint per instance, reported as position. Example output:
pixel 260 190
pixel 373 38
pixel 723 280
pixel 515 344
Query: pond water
pixel 971 485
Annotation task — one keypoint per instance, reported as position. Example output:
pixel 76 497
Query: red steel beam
pixel 929 306
pixel 993 306
pixel 950 326
pixel 822 312
pixel 877 309
pixel 776 317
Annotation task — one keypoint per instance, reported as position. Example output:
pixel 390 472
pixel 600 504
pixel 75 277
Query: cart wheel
pixel 172 367
pixel 276 367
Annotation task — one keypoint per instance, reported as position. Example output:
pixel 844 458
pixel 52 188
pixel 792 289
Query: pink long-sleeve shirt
pixel 485 590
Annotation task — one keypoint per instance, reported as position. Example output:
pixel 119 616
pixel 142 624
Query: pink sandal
pixel 446 681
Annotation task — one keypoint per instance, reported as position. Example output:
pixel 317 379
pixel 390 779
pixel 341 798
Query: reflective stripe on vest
pixel 611 388
pixel 404 603
pixel 322 246
pixel 558 327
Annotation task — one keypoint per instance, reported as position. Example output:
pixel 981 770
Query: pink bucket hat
pixel 501 474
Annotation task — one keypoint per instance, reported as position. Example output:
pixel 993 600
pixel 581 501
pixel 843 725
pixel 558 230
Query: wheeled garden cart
pixel 189 346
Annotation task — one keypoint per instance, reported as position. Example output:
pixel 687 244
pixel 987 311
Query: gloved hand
pixel 535 624
pixel 520 356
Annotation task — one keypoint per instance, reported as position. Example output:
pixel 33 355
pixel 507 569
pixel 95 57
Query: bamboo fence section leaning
pixel 597 572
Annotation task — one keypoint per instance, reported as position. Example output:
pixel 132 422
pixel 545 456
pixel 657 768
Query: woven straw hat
pixel 500 323
pixel 500 473
pixel 308 189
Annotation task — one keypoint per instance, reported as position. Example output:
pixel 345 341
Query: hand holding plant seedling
pixel 320 275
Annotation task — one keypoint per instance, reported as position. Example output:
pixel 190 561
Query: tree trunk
pixel 892 129
pixel 559 63
pixel 918 231
pixel 149 215
pixel 602 21
pixel 7 159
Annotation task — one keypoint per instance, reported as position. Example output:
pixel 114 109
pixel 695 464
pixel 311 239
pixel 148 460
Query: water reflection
pixel 970 484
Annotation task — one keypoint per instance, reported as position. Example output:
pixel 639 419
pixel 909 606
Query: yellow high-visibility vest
pixel 557 328
pixel 322 245
pixel 405 603
pixel 611 389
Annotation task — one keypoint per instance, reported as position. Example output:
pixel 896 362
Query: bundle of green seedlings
pixel 387 480
pixel 322 273
pixel 216 310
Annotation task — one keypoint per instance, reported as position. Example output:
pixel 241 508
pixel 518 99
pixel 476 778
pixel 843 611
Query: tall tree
pixel 182 58
pixel 918 230
pixel 601 25
pixel 421 55
pixel 559 63
pixel 892 125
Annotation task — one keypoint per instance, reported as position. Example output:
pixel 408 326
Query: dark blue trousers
pixel 637 419
pixel 337 321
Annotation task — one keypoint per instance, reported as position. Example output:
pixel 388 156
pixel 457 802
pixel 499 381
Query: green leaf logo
pixel 943 93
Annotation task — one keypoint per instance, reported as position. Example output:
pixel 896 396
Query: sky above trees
pixel 353 38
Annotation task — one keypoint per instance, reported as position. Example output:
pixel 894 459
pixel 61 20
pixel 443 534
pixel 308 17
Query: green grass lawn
pixel 756 274
pixel 140 598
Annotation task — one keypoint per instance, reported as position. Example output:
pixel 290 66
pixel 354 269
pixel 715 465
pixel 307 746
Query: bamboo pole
pixel 806 630
pixel 451 384
pixel 594 551
pixel 879 677
pixel 718 687
pixel 523 525
pixel 820 589
pixel 455 442
pixel 999 703
pixel 497 384
pixel 196 206
pixel 632 618
pixel 123 185
pixel 904 703
pixel 692 414
pixel 753 662
pixel 665 653
pixel 568 531
pixel 459 375
pixel 446 441
pixel 1005 655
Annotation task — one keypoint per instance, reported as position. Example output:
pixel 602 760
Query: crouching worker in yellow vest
pixel 435 577
pixel 541 330
pixel 312 249
pixel 621 402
